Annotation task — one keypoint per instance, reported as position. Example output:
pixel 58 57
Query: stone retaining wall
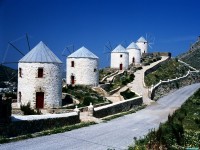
pixel 164 87
pixel 118 107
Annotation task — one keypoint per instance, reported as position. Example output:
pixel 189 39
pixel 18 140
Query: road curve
pixel 116 134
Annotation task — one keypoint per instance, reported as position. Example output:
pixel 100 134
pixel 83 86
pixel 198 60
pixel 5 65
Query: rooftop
pixel 133 46
pixel 141 39
pixel 82 53
pixel 119 49
pixel 40 54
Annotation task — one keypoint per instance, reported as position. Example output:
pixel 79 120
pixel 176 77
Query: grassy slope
pixel 170 70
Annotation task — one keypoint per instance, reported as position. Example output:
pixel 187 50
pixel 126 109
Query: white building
pixel 142 43
pixel 119 58
pixel 40 78
pixel 134 54
pixel 82 68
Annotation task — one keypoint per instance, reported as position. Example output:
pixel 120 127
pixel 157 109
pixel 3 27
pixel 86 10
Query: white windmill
pixel 144 43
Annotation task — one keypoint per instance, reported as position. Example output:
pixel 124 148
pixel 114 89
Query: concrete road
pixel 115 134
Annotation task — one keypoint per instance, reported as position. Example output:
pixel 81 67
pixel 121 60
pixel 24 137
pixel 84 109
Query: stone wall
pixel 118 107
pixel 154 68
pixel 164 87
pixel 35 123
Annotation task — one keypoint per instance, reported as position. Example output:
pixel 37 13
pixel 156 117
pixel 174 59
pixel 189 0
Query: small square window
pixel 72 63
pixel 121 55
pixel 95 70
pixel 40 72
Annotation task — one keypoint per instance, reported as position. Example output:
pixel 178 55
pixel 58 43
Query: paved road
pixel 116 134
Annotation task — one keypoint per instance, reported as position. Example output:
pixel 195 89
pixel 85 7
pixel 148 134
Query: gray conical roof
pixel 40 54
pixel 133 46
pixel 142 39
pixel 119 49
pixel 82 53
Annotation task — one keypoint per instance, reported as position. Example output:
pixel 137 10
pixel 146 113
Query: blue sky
pixel 175 24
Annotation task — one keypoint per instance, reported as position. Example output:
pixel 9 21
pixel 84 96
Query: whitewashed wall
pixel 116 60
pixel 143 46
pixel 136 53
pixel 50 84
pixel 83 71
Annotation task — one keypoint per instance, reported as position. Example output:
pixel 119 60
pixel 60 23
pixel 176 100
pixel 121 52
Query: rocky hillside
pixel 192 56
pixel 7 74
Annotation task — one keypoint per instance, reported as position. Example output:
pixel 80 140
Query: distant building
pixel 119 58
pixel 82 68
pixel 40 78
pixel 142 43
pixel 134 54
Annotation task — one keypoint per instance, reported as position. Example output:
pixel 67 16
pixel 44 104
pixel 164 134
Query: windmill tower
pixel 119 58
pixel 143 43
pixel 40 78
pixel 82 68
pixel 134 54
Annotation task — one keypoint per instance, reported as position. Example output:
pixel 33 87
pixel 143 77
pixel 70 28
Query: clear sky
pixel 175 24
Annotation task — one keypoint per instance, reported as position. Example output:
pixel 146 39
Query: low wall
pixel 154 68
pixel 164 87
pixel 22 125
pixel 118 107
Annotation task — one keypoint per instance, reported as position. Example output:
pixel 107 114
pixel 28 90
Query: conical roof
pixel 82 53
pixel 119 49
pixel 142 39
pixel 40 54
pixel 133 46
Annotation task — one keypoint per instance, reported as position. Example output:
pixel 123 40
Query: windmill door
pixel 121 66
pixel 40 100
pixel 133 60
pixel 72 79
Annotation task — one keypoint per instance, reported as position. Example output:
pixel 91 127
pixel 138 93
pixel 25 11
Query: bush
pixel 128 94
pixel 87 100
pixel 27 110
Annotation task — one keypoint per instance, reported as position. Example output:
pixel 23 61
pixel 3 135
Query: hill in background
pixel 7 74
pixel 192 57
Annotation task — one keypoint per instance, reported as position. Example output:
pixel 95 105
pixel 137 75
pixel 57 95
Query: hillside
pixel 7 74
pixel 192 56
pixel 169 70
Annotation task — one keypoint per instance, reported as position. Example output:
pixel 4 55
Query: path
pixel 116 134
pixel 137 84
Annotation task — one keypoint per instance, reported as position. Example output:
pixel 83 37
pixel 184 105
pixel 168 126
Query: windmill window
pixel 121 55
pixel 40 72
pixel 20 96
pixel 95 70
pixel 72 63
pixel 20 72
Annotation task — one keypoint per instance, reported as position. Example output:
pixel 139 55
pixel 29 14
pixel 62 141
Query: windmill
pixel 107 51
pixel 12 45
pixel 143 43
pixel 69 49
pixel 150 40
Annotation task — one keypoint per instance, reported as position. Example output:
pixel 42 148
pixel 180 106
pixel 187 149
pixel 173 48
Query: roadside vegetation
pixel 181 131
pixel 85 95
pixel 169 70
pixel 105 72
pixel 120 81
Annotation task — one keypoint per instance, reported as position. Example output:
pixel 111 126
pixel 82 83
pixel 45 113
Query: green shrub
pixel 87 100
pixel 127 94
pixel 27 110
